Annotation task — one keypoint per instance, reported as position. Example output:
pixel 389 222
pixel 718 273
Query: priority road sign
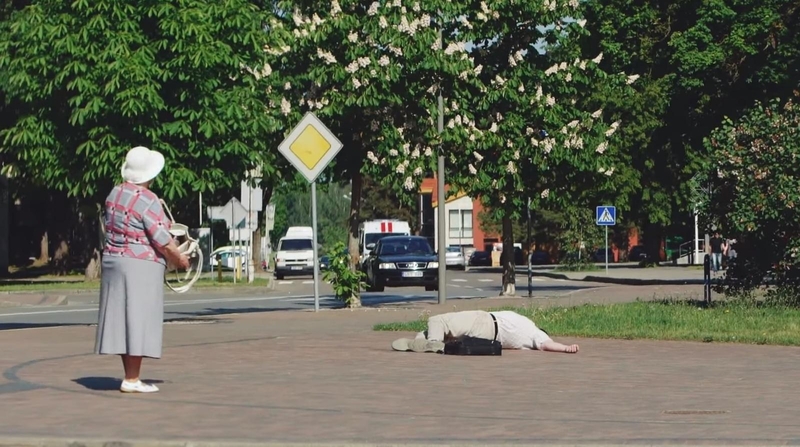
pixel 606 215
pixel 310 147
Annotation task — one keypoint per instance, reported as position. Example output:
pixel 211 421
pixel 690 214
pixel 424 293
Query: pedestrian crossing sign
pixel 606 215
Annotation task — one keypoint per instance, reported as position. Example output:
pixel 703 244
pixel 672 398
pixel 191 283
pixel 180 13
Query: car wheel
pixel 431 288
pixel 278 276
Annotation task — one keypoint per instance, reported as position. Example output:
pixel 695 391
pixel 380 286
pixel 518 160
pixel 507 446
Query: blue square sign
pixel 606 215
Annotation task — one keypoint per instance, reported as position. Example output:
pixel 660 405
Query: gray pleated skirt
pixel 131 314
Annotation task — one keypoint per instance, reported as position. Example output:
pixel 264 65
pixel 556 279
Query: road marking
pixel 455 285
pixel 308 282
pixel 285 282
pixel 486 280
pixel 478 290
pixel 459 280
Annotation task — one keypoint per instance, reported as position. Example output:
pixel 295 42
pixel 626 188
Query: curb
pixel 622 281
pixel 71 442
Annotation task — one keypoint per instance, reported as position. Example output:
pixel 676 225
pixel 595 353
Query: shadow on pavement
pixel 106 383
pixel 13 326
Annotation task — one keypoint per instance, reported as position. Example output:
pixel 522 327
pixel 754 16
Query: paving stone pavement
pixel 305 377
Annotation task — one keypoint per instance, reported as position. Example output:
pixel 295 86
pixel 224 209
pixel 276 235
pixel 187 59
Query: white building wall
pixel 459 231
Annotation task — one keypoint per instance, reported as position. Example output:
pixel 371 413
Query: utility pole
pixel 442 242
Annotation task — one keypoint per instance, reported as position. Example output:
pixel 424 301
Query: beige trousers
pixel 473 323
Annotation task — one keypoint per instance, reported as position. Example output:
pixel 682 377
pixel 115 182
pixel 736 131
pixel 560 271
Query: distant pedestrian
pixel 138 246
pixel 512 330
pixel 718 247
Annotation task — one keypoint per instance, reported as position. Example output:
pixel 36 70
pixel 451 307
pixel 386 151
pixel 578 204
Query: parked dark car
pixel 539 257
pixel 480 259
pixel 324 262
pixel 600 255
pixel 402 261
pixel 637 253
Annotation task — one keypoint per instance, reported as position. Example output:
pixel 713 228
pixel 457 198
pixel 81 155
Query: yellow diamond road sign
pixel 310 147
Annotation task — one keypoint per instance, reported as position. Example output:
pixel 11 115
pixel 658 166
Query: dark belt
pixel 495 326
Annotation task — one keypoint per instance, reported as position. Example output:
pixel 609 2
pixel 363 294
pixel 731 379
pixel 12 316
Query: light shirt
pixel 515 331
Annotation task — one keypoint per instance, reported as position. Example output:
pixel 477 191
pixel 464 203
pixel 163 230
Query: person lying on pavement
pixel 514 331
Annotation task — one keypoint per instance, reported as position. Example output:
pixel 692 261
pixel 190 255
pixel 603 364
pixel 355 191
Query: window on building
pixel 460 224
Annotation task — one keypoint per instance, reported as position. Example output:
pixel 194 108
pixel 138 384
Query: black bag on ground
pixel 473 346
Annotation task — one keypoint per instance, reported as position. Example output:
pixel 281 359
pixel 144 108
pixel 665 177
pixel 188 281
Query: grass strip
pixel 667 320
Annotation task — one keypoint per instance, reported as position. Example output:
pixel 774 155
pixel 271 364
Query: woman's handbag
pixel 177 280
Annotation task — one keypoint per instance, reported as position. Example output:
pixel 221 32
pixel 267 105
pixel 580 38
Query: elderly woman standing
pixel 137 249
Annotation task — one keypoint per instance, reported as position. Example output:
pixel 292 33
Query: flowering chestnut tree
pixel 531 130
pixel 755 200
pixel 368 70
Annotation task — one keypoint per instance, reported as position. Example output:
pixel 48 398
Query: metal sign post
pixel 606 216
pixel 310 147
pixel 314 242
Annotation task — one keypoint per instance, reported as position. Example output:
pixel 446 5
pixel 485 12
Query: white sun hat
pixel 142 165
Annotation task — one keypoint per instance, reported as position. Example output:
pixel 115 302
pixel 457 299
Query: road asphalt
pixel 290 294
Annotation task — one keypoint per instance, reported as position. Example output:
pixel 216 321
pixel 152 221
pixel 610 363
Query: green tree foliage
pixel 698 63
pixel 88 80
pixel 756 194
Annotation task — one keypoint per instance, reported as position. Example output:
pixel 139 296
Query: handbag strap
pixel 495 326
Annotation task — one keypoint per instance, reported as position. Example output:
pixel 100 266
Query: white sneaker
pixel 137 387
pixel 417 345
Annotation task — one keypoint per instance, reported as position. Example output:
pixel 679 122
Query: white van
pixel 295 254
pixel 371 231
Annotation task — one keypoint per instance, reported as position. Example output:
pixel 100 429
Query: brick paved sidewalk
pixel 305 377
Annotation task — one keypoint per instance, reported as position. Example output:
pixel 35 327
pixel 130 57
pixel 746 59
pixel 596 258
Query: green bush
pixel 346 281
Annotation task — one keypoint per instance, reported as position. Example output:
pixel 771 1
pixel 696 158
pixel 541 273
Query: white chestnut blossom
pixel 472 169
pixel 352 37
pixel 326 56
pixel 373 9
pixel 335 8
pixel 632 79
pixel 597 113
pixel 286 107
pixel 545 193
pixel 477 156
pixel 602 147
pixel 598 58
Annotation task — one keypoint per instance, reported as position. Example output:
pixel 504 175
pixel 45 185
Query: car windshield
pixel 373 238
pixel 295 244
pixel 406 247
pixel 453 250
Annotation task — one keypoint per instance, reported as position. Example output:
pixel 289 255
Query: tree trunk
pixel 61 259
pixel 509 268
pixel 256 249
pixel 94 268
pixel 353 221
pixel 92 272
pixel 44 250
pixel 652 237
